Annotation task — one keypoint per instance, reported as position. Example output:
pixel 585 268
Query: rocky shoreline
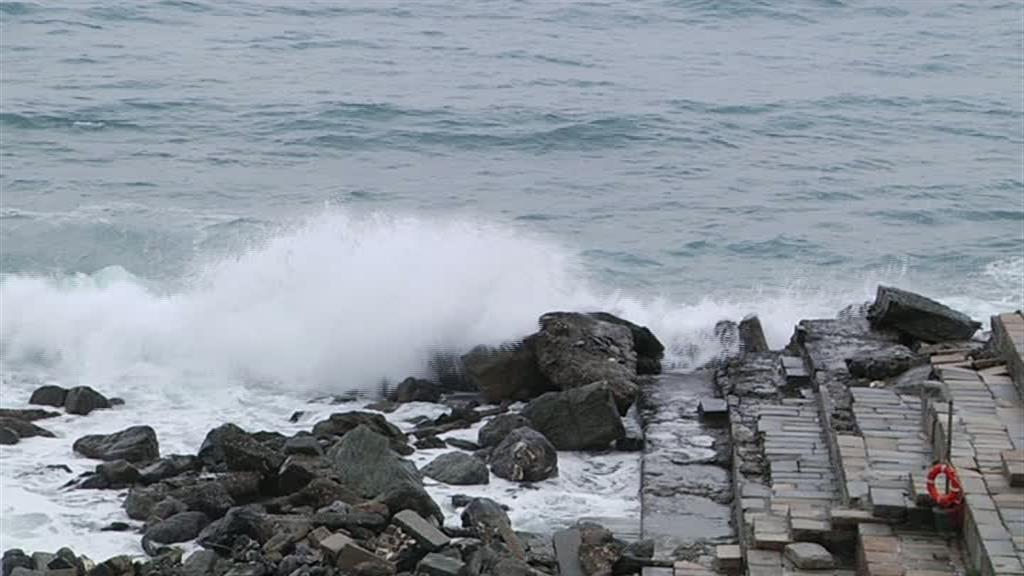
pixel 343 498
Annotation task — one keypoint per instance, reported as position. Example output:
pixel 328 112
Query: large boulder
pixel 490 522
pixel 506 373
pixel 134 444
pixel 49 395
pixel 525 455
pixel 243 453
pixel 919 317
pixel 649 350
pixel 751 335
pixel 599 550
pixel 340 424
pixel 211 452
pixel 364 462
pixel 83 400
pixel 415 390
pixel 458 469
pixel 574 350
pixel 497 428
pixel 578 419
pixel 885 363
pixel 250 521
pixel 180 527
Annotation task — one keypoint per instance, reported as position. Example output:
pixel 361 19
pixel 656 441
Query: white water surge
pixel 335 305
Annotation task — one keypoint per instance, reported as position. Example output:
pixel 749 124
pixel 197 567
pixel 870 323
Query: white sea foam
pixel 334 305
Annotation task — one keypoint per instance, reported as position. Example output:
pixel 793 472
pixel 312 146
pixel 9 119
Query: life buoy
pixel 956 490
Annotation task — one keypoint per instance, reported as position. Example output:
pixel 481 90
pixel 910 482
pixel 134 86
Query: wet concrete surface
pixel 685 486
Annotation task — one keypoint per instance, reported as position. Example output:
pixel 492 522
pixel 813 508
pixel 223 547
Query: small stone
pixel 713 408
pixel 8 437
pixel 457 468
pixel 116 527
pixel 809 556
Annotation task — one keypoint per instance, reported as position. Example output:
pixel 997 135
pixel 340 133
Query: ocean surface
pixel 220 209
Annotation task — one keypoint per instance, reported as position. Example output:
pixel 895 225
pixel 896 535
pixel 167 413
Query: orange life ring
pixel 956 490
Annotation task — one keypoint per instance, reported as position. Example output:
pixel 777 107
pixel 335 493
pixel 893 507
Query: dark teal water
pixel 725 156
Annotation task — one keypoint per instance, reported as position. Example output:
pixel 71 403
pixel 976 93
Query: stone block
pixel 713 408
pixel 889 504
pixel 567 552
pixel 428 536
pixel 729 558
pixel 1013 467
pixel 809 556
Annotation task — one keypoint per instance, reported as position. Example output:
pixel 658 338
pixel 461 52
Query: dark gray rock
pixel 340 424
pixel 322 492
pixel 180 527
pixel 919 317
pixel 15 558
pixel 457 468
pixel 8 437
pixel 166 508
pixel 118 473
pixel 27 414
pixel 134 444
pixel 506 373
pixel 578 419
pixel 49 396
pixel 139 503
pixel 574 350
pixel 440 565
pixel 82 400
pixel 304 446
pixel 429 443
pixel 23 428
pixel 649 350
pixel 635 556
pixel 497 428
pixel 244 453
pixel 211 452
pixel 116 566
pixel 199 563
pixel 462 444
pixel 168 467
pixel 210 497
pixel 363 461
pixel 884 363
pixel 751 335
pixel 416 390
pixel 525 455
pixel 250 521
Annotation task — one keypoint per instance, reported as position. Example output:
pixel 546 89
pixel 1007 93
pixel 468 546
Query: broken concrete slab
pixel 428 536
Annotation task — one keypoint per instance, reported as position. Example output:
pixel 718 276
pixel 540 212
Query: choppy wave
pixel 343 301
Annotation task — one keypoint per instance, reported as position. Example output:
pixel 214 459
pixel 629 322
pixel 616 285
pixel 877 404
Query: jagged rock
pixel 211 452
pixel 15 558
pixel 574 350
pixel 918 382
pixel 363 462
pixel 118 473
pixel 244 453
pixel 809 556
pixel 884 363
pixel 303 445
pixel 649 350
pixel 8 437
pixel 24 429
pixel 440 565
pixel 166 508
pixel 416 390
pixel 322 492
pixel 506 373
pixel 180 527
pixel 497 428
pixel 296 473
pixel 599 550
pixel 49 395
pixel 920 317
pixel 462 444
pixel 210 497
pixel 82 400
pixel 525 455
pixel 577 419
pixel 116 566
pixel 751 335
pixel 139 503
pixel 340 424
pixel 457 468
pixel 248 521
pixel 167 467
pixel 134 444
